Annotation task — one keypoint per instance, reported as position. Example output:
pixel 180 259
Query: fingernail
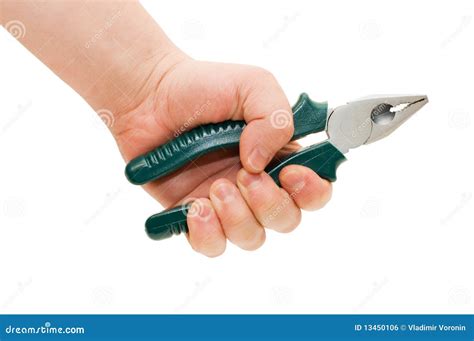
pixel 249 180
pixel 258 159
pixel 224 193
pixel 294 179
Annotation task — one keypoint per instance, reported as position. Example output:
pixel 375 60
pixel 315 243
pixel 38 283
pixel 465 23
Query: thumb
pixel 269 119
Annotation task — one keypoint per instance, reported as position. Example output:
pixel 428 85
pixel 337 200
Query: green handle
pixel 323 158
pixel 308 117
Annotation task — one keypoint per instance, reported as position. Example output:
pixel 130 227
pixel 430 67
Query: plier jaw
pixel 370 119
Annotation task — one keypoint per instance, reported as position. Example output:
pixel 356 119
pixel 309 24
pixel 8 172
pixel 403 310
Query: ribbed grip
pixel 308 117
pixel 183 149
pixel 168 223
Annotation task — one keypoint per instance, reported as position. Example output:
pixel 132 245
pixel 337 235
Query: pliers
pixel 347 126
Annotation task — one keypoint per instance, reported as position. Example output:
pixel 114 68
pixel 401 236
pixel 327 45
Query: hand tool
pixel 347 126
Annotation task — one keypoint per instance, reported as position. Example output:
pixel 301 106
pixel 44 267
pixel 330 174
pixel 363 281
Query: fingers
pixel 240 213
pixel 308 190
pixel 269 119
pixel 238 221
pixel 271 205
pixel 205 231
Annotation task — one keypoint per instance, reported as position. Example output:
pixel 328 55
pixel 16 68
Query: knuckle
pixel 283 216
pixel 279 207
pixel 218 182
pixel 281 120
pixel 243 231
pixel 232 221
pixel 297 185
pixel 261 205
pixel 263 74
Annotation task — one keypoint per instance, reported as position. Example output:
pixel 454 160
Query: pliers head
pixel 370 119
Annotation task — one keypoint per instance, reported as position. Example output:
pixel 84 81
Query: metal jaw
pixel 370 119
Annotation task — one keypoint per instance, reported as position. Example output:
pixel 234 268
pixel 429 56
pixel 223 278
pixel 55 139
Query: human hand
pixel 232 198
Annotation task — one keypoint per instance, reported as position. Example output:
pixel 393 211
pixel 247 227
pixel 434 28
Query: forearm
pixel 105 50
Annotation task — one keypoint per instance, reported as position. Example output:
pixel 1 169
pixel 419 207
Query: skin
pixel 117 58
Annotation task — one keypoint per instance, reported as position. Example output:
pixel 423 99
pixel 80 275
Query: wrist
pixel 128 67
pixel 131 77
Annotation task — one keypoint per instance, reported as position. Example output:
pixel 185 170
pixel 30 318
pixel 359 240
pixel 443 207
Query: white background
pixel 396 238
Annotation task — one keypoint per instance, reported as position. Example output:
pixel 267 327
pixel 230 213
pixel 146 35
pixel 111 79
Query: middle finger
pixel 271 205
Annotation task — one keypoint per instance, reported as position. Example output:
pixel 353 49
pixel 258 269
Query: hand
pixel 230 202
